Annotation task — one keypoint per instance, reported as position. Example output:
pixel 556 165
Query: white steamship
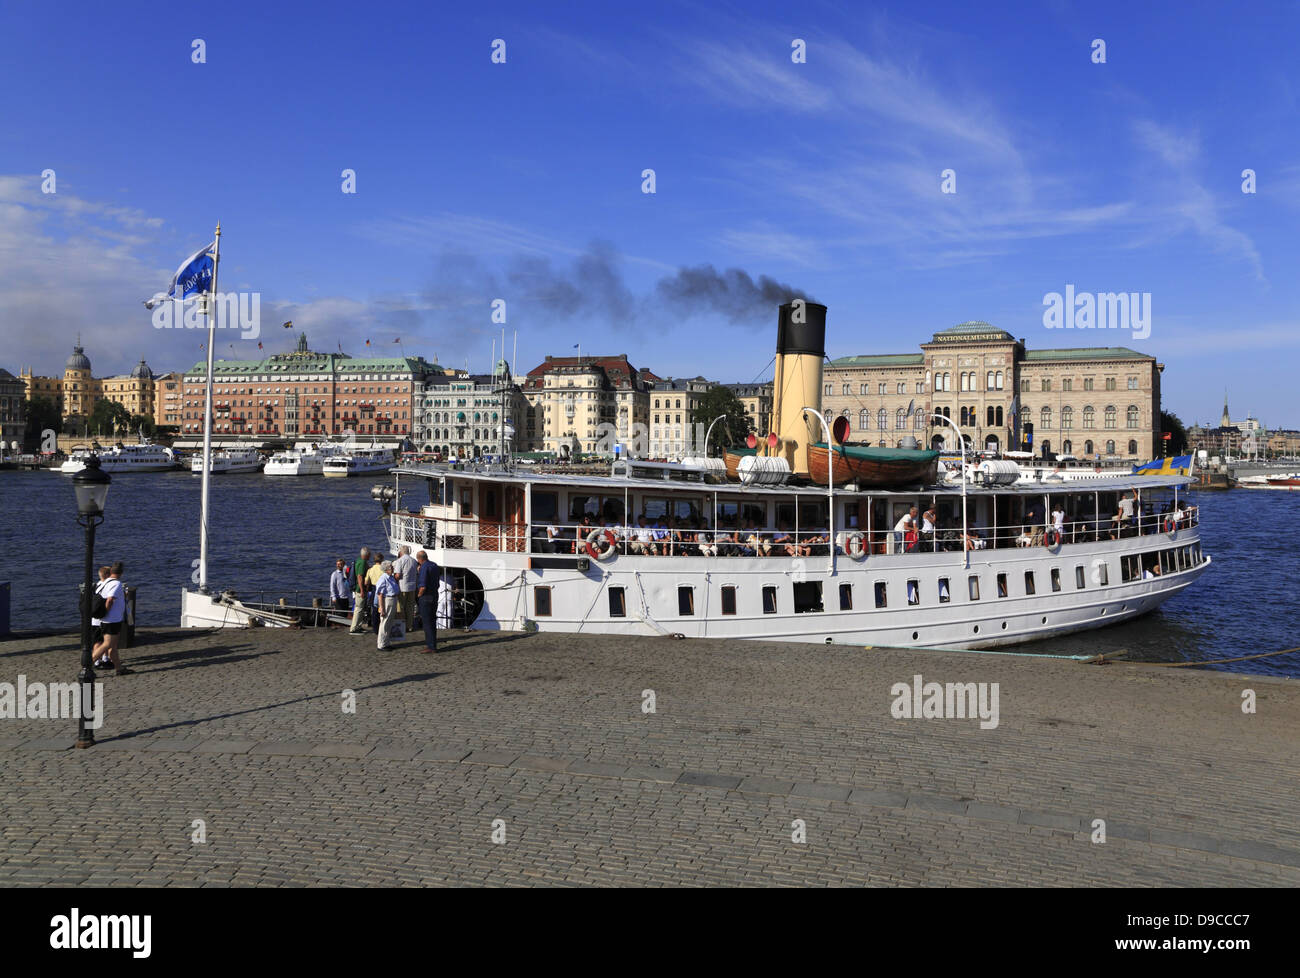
pixel 783 552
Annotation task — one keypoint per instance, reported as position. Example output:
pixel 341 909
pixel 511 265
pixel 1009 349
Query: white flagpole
pixel 209 301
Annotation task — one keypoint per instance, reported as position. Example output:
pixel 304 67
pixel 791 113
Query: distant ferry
pixel 359 462
pixel 142 457
pixel 780 551
pixel 304 458
pixel 228 460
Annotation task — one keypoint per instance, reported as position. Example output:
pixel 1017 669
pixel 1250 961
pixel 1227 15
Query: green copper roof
pixel 1088 353
pixel 972 328
pixel 284 363
pixel 881 360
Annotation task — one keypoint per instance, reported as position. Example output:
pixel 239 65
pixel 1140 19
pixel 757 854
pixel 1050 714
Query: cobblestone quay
pixel 546 742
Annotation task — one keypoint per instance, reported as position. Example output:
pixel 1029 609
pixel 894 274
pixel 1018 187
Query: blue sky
pixel 523 180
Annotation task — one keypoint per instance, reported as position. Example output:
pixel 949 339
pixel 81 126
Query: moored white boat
pixel 142 457
pixel 359 462
pixel 304 458
pixel 228 460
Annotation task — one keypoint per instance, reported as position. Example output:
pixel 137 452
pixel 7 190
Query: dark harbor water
pixel 282 534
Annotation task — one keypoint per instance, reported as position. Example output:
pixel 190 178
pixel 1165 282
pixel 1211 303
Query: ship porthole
pixel 1004 626
pixel 1103 611
pixel 977 629
pixel 1044 619
pixel 1123 607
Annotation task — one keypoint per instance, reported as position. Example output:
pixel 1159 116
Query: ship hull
pixel 651 595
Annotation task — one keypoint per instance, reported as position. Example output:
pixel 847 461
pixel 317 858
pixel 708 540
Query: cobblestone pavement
pixel 247 731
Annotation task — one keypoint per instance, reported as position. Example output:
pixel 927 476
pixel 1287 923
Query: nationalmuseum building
pixel 1093 402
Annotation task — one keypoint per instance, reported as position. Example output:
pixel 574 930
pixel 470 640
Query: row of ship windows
pixel 807 596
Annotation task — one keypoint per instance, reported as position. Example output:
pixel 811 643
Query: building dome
pixel 142 372
pixel 78 360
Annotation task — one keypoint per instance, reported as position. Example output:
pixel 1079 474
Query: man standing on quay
pixel 359 589
pixel 404 570
pixel 426 582
pixel 386 605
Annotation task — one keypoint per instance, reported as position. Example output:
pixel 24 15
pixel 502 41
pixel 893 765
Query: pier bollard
pixel 284 603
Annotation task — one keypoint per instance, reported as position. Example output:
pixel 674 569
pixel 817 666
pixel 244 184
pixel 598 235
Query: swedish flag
pixel 1174 465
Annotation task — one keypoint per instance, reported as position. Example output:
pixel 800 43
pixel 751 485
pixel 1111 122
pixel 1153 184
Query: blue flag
pixel 194 277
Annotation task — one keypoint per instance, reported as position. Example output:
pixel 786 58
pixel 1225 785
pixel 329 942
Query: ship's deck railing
pixel 495 536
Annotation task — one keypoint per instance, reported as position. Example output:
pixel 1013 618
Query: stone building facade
pixel 76 393
pixel 671 405
pixel 462 415
pixel 304 394
pixel 1094 402
pixel 757 401
pixel 569 398
pixel 13 412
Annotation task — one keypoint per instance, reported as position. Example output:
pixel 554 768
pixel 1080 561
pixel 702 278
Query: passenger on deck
pixel 643 539
pixel 905 532
pixel 703 541
pixel 783 543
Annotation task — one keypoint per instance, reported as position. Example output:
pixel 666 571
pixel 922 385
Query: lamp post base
pixel 83 744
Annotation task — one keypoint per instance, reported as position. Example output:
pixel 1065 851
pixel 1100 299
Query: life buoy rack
pixel 1052 538
pixel 595 537
pixel 855 546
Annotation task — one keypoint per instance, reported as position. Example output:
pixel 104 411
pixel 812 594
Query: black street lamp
pixel 91 486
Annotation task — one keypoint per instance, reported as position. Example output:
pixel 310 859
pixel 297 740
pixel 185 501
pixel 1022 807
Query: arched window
pixel 1066 447
pixel 864 419
pixel 865 389
pixel 1045 417
pixel 1132 447
pixel 947 413
pixel 988 381
pixel 1111 415
pixel 1087 447
pixel 988 415
pixel 998 417
pixel 1067 418
pixel 1110 448
pixel 1024 417
pixel 999 379
pixel 845 389
pixel 965 383
pixel 1132 416
pixel 900 419
pixel 1089 419
pixel 919 423
pixel 947 381
pixel 965 417
pixel 882 420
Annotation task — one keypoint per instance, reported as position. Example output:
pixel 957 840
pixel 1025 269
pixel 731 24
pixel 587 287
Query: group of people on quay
pixel 389 597
pixel 917 528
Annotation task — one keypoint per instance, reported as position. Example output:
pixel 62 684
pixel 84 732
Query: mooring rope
pixel 1215 662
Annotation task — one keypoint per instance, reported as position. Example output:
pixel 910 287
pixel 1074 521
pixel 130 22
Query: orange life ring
pixel 1051 538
